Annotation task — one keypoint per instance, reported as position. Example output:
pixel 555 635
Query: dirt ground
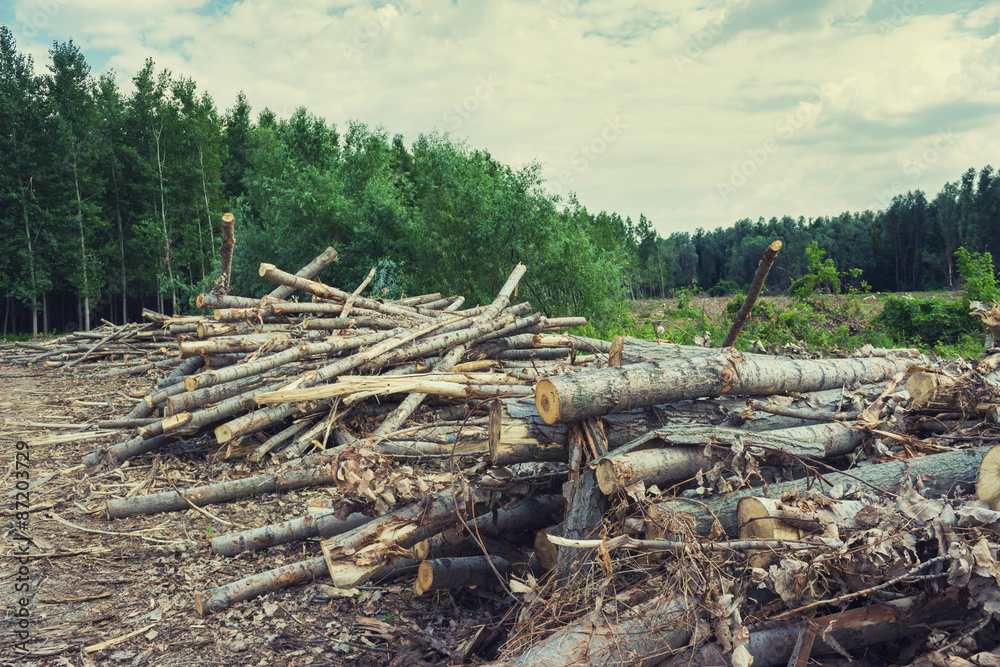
pixel 94 591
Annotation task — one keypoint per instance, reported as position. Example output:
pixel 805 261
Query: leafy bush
pixel 724 288
pixel 978 275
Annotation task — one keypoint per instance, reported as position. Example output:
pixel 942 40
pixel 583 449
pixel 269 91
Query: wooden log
pixel 851 629
pixel 215 329
pixel 221 597
pixel 770 519
pixel 968 394
pixel 255 421
pixel 208 300
pixel 322 524
pixel 644 635
pixel 221 286
pixel 270 361
pixel 172 501
pixel 355 556
pixel 988 479
pixel 445 574
pixel 763 268
pixel 272 273
pixel 654 466
pixel 310 270
pixel 250 343
pixel 593 393
pixel 940 473
pixel 125 450
pixel 277 439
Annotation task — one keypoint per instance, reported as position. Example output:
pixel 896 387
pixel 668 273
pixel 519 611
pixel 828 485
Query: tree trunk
pixel 221 286
pixel 940 473
pixel 758 283
pixel 172 501
pixel 308 271
pixel 83 244
pixel 645 635
pixel 445 574
pixel 593 393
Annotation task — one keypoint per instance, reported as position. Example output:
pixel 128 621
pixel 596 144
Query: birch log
pixel 592 393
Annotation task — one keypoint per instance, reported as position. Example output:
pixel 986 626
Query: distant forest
pixel 111 202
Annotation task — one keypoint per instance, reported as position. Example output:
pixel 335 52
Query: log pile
pixel 645 503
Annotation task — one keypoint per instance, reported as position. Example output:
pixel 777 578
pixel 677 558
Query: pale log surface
pixel 593 393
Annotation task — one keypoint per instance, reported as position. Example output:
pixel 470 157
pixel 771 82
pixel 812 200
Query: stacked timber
pixel 639 499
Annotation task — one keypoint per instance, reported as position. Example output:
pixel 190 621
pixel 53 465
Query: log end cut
pixel 547 401
pixel 608 476
pixel 223 434
pixel 425 578
pixel 988 479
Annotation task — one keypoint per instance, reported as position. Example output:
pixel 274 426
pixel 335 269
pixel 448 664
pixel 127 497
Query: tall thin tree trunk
pixel 160 158
pixel 45 312
pixel 201 245
pixel 31 263
pixel 83 245
pixel 121 237
pixel 208 208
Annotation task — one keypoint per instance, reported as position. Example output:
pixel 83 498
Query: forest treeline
pixel 111 199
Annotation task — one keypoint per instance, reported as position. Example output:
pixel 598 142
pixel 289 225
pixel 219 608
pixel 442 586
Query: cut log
pixel 770 519
pixel 763 268
pixel 940 474
pixel 221 286
pixel 988 479
pixel 323 524
pixel 445 574
pixel 968 394
pixel 355 556
pixel 851 629
pixel 217 599
pixel 645 635
pixel 677 453
pixel 592 393
pixel 310 270
pixel 172 501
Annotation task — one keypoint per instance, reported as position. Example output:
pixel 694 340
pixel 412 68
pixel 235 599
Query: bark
pixel 125 450
pixel 270 272
pixel 217 599
pixel 310 270
pixel 323 524
pixel 277 439
pixel 268 362
pixel 209 300
pixel 445 574
pixel 770 254
pixel 851 629
pixel 593 393
pixel 939 473
pixel 644 635
pixel 221 286
pixel 172 501
pixel 355 556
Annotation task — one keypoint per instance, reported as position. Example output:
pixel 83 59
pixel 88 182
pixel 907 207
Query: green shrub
pixel 724 288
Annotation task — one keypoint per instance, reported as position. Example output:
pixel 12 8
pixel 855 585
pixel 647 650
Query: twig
pixel 912 574
pixel 627 542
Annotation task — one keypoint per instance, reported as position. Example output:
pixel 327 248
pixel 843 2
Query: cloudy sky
pixel 694 112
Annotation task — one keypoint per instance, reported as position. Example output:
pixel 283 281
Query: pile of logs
pixel 646 502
